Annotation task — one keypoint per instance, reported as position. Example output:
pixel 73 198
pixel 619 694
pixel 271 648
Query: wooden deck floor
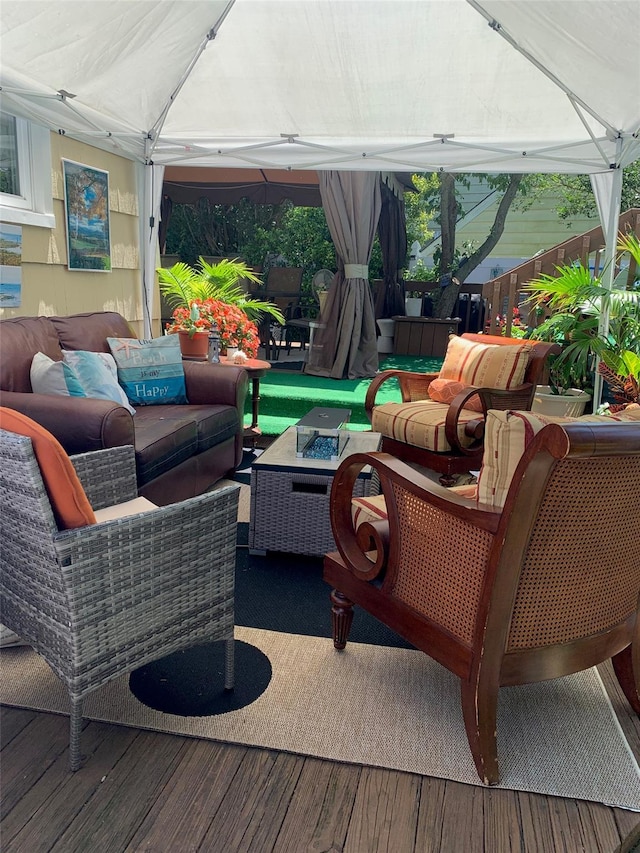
pixel 143 790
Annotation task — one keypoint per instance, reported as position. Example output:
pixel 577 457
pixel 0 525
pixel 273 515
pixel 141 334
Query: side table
pixel 256 368
pixel 290 495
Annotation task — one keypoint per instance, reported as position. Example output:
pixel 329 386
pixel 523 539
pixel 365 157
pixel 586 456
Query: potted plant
pixel 181 284
pixel 236 330
pixel 577 300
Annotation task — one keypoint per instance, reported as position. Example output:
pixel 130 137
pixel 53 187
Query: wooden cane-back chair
pixel 444 431
pixel 545 586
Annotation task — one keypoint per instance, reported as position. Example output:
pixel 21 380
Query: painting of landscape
pixel 86 194
pixel 10 265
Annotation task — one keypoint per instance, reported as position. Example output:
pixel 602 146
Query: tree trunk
pixel 448 219
pixel 497 228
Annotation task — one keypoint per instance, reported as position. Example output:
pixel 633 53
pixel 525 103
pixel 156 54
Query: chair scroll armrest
pixel 383 536
pixel 413 386
pixel 519 398
pixel 107 476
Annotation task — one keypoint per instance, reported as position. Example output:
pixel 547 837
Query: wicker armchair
pixel 448 438
pixel 544 587
pixel 101 600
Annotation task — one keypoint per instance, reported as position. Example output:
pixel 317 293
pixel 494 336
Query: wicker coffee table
pixel 290 496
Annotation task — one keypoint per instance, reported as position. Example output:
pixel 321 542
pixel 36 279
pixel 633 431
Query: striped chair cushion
pixel 485 365
pixel 375 509
pixel 508 434
pixel 368 509
pixel 420 424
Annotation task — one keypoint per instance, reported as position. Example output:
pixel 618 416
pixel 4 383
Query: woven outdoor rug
pixel 386 707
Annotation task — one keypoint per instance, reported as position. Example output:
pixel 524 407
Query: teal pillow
pixel 150 372
pixel 98 375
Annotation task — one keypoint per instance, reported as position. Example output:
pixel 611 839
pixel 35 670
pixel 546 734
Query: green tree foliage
pixel 254 232
pixel 576 195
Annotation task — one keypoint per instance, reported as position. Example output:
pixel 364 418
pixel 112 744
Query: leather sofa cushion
pixel 90 331
pixel 20 339
pixel 167 435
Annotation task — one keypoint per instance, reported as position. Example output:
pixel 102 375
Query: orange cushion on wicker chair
pixel 69 503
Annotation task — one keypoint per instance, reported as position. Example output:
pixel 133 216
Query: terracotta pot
pixel 195 348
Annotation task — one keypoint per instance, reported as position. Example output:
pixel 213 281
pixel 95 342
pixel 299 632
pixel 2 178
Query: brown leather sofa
pixel 181 450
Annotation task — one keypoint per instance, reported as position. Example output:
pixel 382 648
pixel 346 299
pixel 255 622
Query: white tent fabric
pixel 389 85
pixel 402 85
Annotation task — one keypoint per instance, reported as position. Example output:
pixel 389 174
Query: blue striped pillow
pixel 151 371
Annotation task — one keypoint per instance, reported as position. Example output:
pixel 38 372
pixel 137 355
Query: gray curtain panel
pixel 392 232
pixel 345 346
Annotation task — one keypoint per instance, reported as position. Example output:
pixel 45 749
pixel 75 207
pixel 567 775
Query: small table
pixel 290 495
pixel 256 370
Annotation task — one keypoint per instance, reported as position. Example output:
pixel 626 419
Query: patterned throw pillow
pixel 98 375
pixel 446 390
pixel 79 374
pixel 485 365
pixel 151 371
pixel 54 377
pixel 507 436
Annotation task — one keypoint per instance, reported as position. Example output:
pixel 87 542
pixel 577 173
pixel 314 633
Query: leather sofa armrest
pixel 79 423
pixel 213 383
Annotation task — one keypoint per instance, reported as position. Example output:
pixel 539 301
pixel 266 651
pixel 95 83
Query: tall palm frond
pixel 181 284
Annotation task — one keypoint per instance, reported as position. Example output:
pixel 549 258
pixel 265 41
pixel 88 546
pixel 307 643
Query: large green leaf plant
pixel 576 300
pixel 181 284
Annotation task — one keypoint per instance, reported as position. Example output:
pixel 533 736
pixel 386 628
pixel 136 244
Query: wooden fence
pixel 502 294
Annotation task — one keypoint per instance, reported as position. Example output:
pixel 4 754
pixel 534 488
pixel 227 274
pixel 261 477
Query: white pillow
pixel 54 377
pixel 79 374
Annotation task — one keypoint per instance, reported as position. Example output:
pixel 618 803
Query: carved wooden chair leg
pixel 623 666
pixel 479 711
pixel 341 618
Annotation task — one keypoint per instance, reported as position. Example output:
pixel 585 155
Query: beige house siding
pixel 48 287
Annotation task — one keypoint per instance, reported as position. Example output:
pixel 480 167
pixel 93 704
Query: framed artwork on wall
pixel 10 265
pixel 86 201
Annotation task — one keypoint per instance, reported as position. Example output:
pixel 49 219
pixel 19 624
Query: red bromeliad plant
pixel 236 329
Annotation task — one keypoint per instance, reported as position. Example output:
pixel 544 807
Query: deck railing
pixel 503 294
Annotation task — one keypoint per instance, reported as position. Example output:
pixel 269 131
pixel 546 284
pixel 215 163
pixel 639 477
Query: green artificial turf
pixel 287 397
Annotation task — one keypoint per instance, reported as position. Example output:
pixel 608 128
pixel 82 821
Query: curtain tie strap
pixel 356 271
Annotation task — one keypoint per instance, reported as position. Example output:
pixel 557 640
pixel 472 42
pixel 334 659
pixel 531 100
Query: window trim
pixel 35 204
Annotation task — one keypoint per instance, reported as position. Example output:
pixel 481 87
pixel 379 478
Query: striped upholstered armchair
pixel 440 422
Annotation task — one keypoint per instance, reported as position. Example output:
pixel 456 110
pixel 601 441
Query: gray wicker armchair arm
pixel 147 585
pixel 107 476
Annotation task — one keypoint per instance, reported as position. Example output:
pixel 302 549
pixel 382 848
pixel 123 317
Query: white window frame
pixel 34 205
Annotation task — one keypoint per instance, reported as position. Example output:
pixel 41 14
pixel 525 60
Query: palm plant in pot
pixel 211 294
pixel 577 300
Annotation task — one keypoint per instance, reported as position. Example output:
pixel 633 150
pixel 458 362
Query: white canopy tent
pixel 388 85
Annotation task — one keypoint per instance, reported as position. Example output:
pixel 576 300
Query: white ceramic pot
pixel 413 306
pixel 385 339
pixel 571 404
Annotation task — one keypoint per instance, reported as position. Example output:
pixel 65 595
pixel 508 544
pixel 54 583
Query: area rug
pixel 385 707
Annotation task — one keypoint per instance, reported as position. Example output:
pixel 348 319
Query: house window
pixel 25 173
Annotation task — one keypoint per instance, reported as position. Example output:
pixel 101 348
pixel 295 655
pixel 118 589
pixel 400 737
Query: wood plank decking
pixel 142 790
